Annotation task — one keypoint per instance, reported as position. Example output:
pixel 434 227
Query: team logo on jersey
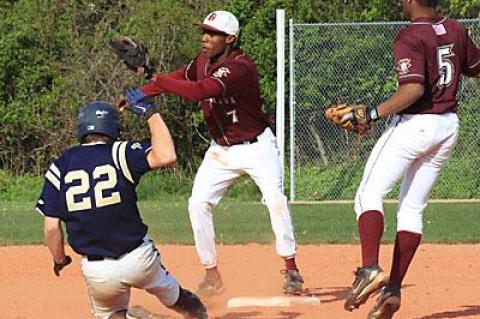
pixel 222 72
pixel 403 66
pixel 136 146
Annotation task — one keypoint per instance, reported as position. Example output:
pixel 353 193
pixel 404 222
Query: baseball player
pixel 431 54
pixel 225 82
pixel 91 188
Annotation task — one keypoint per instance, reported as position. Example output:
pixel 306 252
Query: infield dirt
pixel 443 282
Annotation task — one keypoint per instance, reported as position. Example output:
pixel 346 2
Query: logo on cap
pixel 101 113
pixel 222 21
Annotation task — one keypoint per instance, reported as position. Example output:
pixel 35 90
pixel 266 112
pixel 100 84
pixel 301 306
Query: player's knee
pixel 366 200
pixel 276 200
pixel 188 303
pixel 198 208
pixel 411 221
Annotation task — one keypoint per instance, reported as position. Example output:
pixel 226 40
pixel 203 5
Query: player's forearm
pixel 163 150
pixel 153 88
pixel 405 96
pixel 54 239
pixel 190 90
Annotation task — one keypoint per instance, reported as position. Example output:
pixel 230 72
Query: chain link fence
pixel 332 63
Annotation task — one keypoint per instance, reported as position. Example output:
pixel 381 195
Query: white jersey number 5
pixel 446 68
pixel 84 186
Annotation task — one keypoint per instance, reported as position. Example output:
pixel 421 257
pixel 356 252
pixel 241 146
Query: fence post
pixel 280 122
pixel 292 109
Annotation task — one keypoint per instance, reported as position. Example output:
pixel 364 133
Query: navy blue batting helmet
pixel 98 117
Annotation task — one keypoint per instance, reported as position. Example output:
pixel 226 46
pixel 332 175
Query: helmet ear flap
pixel 98 117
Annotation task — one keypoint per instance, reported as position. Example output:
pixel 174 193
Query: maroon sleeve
pixel 233 77
pixel 180 74
pixel 191 70
pixel 190 90
pixel 409 60
pixel 472 65
pixel 152 88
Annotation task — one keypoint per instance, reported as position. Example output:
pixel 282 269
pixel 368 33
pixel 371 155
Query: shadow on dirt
pixel 333 294
pixel 466 312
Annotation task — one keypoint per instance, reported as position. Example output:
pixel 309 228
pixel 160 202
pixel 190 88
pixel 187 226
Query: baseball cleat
pixel 368 280
pixel 387 303
pixel 293 282
pixel 189 305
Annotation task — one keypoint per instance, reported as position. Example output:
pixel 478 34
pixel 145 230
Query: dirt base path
pixel 443 282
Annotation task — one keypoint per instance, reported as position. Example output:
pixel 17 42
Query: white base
pixel 275 301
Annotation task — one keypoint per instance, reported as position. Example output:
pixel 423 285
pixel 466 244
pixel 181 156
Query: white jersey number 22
pixel 84 186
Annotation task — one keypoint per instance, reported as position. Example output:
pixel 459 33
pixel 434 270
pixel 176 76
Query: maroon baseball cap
pixel 221 21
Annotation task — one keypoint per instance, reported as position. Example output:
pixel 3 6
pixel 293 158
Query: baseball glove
pixel 133 53
pixel 350 117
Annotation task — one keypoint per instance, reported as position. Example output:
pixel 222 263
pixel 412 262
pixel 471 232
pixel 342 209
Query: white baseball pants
pixel 109 280
pixel 219 169
pixel 415 147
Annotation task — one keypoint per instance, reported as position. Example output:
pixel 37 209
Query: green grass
pixel 238 222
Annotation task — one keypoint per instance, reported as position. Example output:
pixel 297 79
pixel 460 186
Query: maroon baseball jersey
pixel 228 92
pixel 435 52
pixel 236 114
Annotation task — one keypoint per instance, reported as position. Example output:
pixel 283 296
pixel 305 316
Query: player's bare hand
pixel 140 71
pixel 57 267
pixel 121 103
pixel 155 77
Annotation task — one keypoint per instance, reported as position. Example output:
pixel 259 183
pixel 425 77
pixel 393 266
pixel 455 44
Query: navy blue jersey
pixel 91 188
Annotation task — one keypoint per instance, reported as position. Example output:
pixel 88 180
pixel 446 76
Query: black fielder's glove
pixel 133 53
pixel 57 267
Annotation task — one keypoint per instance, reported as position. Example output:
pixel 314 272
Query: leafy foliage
pixel 54 59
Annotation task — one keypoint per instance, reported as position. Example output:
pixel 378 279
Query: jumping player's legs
pixel 387 163
pixel 414 192
pixel 408 139
pixel 385 166
pixel 394 152
pixel 213 178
